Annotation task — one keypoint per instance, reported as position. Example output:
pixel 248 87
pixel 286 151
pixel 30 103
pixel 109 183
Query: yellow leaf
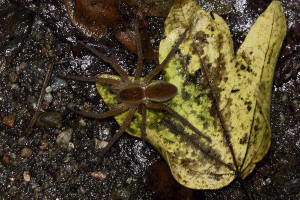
pixel 225 96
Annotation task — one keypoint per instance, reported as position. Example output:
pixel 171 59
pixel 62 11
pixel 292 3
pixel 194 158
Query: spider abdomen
pixel 160 91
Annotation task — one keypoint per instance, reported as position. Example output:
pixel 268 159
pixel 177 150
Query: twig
pixel 41 98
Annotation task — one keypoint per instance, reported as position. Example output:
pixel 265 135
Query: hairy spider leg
pixel 118 109
pixel 138 72
pixel 166 108
pixel 113 63
pixel 156 70
pixel 109 81
pixel 120 132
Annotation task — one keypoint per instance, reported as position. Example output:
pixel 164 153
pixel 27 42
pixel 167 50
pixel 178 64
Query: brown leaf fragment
pixel 92 17
pixel 98 175
pixel 127 38
pixel 5 160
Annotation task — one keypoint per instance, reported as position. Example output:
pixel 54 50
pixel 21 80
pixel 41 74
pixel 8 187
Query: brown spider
pixel 136 94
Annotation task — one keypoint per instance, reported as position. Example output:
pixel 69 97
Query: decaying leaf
pixel 128 38
pixel 93 16
pixel 225 95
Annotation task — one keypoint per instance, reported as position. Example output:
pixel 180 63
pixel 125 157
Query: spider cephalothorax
pixel 136 94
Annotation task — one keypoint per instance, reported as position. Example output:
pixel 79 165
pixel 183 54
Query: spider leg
pixel 138 72
pixel 113 63
pixel 120 131
pixel 144 117
pixel 109 81
pixel 174 113
pixel 120 108
pixel 156 70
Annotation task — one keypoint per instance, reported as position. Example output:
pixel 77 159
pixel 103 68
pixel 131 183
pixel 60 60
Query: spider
pixel 135 94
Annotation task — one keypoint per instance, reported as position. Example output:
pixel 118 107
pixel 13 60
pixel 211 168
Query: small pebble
pixel 71 146
pixel 268 181
pixel 26 152
pixel 12 155
pixel 296 105
pixel 58 84
pixel 106 132
pixel 64 138
pixel 21 67
pixel 100 144
pixel 31 99
pixel 5 160
pixel 87 105
pixel 129 180
pixel 45 105
pixel 98 175
pixel 22 141
pixel 82 122
pixel 13 77
pixel 2 133
pixel 14 86
pixel 44 145
pixel 3 64
pixel 152 41
pixel 81 190
pixel 297 144
pixel 26 176
pixel 281 118
pixel 48 97
pixel 284 98
pixel 48 89
pixel 9 120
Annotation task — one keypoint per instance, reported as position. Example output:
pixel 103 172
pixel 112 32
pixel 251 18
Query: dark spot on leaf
pixel 185 95
pixel 225 79
pixel 205 125
pixel 235 90
pixel 212 15
pixel 249 107
pixel 249 69
pixel 270 56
